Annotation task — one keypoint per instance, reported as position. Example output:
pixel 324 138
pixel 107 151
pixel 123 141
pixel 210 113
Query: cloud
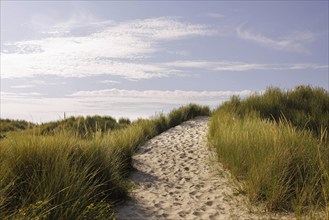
pixel 180 52
pixel 21 95
pixel 114 102
pixel 110 82
pixel 165 28
pixel 118 49
pixel 22 86
pixel 294 42
pixel 46 83
pixel 225 66
pixel 53 24
pixel 160 94
pixel 80 23
pixel 33 65
pixel 215 15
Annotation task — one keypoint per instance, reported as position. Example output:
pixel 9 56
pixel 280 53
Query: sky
pixel 141 58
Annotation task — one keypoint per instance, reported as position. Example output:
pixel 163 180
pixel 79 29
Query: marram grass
pixel 63 175
pixel 304 107
pixel 281 163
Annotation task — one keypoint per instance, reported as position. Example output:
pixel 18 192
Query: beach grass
pixel 75 171
pixel 276 143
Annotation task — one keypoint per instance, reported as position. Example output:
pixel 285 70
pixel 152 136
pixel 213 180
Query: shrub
pixel 124 121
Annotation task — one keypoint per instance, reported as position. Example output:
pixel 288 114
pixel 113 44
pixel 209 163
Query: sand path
pixel 174 180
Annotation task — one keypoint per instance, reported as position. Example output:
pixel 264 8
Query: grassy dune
pixel 277 143
pixel 75 170
pixel 7 125
pixel 304 107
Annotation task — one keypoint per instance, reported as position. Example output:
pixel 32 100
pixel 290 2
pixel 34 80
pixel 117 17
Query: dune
pixel 175 179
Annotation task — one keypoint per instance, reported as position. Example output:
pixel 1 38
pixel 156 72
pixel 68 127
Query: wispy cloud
pixel 118 49
pixel 110 82
pixel 180 52
pixel 20 95
pixel 215 15
pixel 80 23
pixel 225 66
pixel 114 102
pixel 46 83
pixel 294 42
pixel 159 94
pixel 22 86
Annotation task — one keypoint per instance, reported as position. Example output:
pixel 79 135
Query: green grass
pixel 184 113
pixel 82 126
pixel 7 125
pixel 305 107
pixel 283 161
pixel 63 175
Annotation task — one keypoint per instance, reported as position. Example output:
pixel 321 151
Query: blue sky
pixel 137 59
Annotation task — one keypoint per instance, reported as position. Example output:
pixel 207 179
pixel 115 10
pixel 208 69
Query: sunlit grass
pixel 64 175
pixel 305 107
pixel 282 163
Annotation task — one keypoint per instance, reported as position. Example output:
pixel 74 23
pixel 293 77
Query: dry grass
pixel 282 163
pixel 64 175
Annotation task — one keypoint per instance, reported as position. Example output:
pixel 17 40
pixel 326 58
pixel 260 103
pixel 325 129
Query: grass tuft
pixel 283 161
pixel 77 168
pixel 185 113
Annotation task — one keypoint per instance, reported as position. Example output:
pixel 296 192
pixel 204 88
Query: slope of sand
pixel 173 180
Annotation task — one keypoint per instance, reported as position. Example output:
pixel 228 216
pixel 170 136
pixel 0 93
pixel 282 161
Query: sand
pixel 175 179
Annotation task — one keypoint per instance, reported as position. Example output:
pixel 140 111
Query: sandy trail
pixel 174 180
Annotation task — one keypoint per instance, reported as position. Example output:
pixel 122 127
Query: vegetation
pixel 124 121
pixel 77 168
pixel 304 107
pixel 183 114
pixel 60 174
pixel 7 125
pixel 82 126
pixel 277 143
